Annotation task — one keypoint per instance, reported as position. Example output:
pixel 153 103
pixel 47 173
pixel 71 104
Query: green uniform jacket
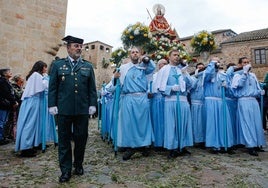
pixel 72 89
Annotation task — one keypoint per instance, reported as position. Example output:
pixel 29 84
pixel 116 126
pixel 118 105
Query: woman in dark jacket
pixel 7 100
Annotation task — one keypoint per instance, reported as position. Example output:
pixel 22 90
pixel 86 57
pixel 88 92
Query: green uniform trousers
pixel 69 127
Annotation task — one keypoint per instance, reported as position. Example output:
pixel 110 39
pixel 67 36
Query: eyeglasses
pixel 245 62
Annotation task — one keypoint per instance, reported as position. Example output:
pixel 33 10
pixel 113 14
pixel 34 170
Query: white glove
pixel 262 92
pixel 53 110
pixel 91 110
pixel 196 72
pixel 175 88
pixel 247 68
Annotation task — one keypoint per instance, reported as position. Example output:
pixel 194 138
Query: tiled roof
pixel 248 36
pixel 213 32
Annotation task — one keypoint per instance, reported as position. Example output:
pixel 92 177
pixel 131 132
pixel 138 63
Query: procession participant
pixel 29 124
pixel 157 109
pixel 265 103
pixel 197 107
pixel 231 100
pixel 219 132
pixel 246 89
pixel 7 101
pixel 72 96
pixel 177 133
pixel 49 124
pixel 134 123
pixel 107 97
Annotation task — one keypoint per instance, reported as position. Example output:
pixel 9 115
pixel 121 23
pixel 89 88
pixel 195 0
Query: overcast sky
pixel 105 20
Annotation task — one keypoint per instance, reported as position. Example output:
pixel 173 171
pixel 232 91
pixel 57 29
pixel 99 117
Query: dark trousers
pixel 68 126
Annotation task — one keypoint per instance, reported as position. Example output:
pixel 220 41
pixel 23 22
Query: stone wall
pixel 30 30
pixel 232 51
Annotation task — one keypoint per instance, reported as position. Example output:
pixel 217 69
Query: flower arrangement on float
pixel 117 56
pixel 163 45
pixel 137 34
pixel 203 41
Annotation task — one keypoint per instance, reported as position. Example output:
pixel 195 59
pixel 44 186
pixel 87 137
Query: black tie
pixel 74 63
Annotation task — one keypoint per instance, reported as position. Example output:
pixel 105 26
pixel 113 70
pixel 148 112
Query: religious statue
pixel 159 23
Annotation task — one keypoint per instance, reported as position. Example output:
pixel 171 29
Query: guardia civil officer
pixel 72 96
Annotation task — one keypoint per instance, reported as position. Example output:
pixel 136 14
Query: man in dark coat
pixel 72 96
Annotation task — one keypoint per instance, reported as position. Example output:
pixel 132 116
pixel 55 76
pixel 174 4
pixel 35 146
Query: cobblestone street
pixel 103 169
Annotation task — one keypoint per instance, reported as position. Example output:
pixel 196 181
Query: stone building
pixel 99 54
pixel 30 31
pixel 231 46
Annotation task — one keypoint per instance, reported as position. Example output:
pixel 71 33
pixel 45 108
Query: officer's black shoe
pixel 65 177
pixel 128 154
pixel 79 171
pixel 253 152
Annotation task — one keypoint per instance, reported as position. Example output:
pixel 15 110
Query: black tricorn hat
pixel 70 39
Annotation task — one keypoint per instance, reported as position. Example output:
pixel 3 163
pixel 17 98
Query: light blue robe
pixel 34 114
pixel 106 121
pixel 173 138
pixel 231 101
pixel 29 125
pixel 134 123
pixel 219 131
pixel 49 120
pixel 157 109
pixel 249 123
pixel 197 109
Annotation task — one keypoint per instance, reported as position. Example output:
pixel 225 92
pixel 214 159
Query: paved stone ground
pixel 103 169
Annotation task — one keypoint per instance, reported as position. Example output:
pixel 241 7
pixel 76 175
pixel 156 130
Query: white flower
pixel 136 31
pixel 129 29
